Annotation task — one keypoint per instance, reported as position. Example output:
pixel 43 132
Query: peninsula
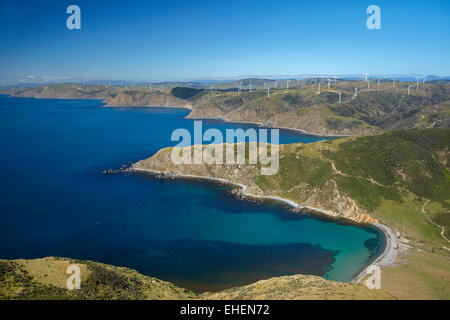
pixel 383 179
pixel 370 111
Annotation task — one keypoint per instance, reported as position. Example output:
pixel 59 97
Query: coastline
pixel 260 124
pixel 386 258
pixel 190 107
pixel 187 107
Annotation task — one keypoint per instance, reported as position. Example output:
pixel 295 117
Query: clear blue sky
pixel 152 40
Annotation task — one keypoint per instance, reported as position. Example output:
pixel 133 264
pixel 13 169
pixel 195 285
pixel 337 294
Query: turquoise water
pixel 54 201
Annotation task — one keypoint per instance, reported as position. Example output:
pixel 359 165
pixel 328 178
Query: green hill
pixel 400 178
pixel 371 111
pixel 46 279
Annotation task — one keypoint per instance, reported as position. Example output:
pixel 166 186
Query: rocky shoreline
pixel 386 258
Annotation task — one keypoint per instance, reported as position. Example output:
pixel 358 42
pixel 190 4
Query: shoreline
pixel 190 108
pixel 147 106
pixel 386 258
pixel 262 125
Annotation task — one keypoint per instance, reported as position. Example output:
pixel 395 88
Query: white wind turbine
pixel 268 89
pixel 379 79
pixel 287 85
pixel 319 89
pixel 409 89
pixel 340 95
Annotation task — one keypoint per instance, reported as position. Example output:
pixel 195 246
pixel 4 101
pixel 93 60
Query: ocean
pixel 55 201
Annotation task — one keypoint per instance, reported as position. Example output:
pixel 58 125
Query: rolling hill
pixel 372 110
pixel 399 178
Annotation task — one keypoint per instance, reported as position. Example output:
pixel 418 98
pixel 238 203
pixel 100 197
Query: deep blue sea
pixel 55 201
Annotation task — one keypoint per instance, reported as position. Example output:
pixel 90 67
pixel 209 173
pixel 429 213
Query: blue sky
pixel 158 40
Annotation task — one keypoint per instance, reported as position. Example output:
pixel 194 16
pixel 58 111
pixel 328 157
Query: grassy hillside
pixel 46 279
pixel 413 160
pixel 380 107
pixel 400 178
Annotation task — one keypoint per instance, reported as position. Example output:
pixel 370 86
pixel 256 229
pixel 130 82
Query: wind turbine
pixel 340 94
pixel 287 85
pixel 409 89
pixel 250 85
pixel 328 83
pixel 417 84
pixel 268 90
pixel 319 89
pixel 356 92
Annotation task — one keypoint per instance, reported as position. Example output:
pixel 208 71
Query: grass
pixel 390 176
pixel 45 279
pixel 407 159
pixel 420 275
